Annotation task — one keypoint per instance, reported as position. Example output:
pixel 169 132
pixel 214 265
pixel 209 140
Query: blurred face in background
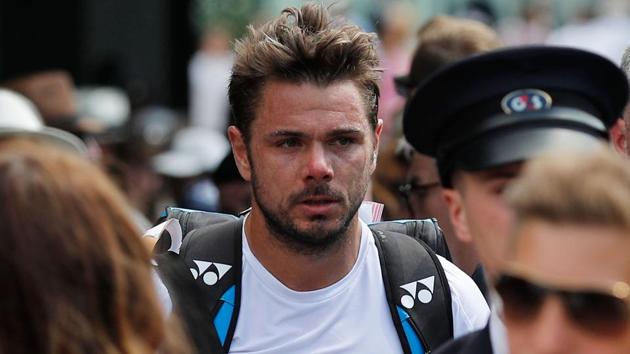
pixel 567 289
pixel 424 193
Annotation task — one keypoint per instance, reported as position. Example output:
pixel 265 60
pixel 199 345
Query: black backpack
pixel 204 279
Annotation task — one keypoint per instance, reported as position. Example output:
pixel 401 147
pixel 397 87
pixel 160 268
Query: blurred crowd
pixel 84 172
pixel 160 155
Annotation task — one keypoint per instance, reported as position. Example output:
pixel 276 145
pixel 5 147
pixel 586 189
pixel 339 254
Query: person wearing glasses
pixel 565 283
pixel 483 116
pixel 441 41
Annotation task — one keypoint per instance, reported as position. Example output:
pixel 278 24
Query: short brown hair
pixel 445 39
pixel 76 274
pixel 574 188
pixel 302 46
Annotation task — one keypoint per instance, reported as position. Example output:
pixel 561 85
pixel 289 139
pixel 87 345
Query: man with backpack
pixel 301 273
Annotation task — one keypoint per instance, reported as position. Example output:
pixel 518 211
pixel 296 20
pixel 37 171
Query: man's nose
pixel 318 165
pixel 552 329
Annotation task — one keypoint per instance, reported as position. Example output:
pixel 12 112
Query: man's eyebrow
pixel 298 134
pixel 286 133
pixel 345 131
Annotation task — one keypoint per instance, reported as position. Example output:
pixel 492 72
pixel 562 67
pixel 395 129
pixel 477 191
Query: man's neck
pixel 298 271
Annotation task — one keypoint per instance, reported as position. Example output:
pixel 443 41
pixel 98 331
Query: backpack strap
pixel 211 257
pixel 425 230
pixel 417 291
pixel 216 261
pixel 189 303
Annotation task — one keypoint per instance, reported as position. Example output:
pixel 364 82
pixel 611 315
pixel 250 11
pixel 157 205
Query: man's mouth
pixel 318 205
pixel 319 200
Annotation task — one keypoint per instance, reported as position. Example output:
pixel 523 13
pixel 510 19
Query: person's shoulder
pixel 453 273
pixel 462 286
pixel 477 342
pixel 470 310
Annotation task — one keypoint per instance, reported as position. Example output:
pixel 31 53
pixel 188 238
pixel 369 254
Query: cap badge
pixel 527 100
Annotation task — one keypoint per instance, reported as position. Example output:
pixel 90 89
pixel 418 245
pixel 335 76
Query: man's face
pixel 309 159
pixel 479 213
pixel 575 257
pixel 425 194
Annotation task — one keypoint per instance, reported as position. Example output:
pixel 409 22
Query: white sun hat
pixel 194 150
pixel 19 117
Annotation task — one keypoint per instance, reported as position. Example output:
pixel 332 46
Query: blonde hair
pixel 574 188
pixel 302 46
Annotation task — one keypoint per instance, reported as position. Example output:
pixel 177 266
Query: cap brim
pixel 56 137
pixel 520 145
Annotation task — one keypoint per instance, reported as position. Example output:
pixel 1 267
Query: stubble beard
pixel 317 240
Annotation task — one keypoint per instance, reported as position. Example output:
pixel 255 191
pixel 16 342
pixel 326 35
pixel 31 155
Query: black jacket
pixel 477 342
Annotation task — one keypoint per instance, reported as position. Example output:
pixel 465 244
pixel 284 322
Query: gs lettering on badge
pixel 527 100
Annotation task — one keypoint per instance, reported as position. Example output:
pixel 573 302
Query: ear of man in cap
pixel 620 132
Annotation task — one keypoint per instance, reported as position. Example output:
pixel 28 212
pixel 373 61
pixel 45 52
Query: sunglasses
pixel 598 312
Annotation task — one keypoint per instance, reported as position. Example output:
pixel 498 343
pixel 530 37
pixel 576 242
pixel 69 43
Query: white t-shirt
pixel 350 316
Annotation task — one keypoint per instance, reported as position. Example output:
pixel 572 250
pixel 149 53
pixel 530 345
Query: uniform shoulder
pixel 477 342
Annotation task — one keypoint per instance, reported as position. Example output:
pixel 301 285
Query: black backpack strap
pixel 417 291
pixel 193 219
pixel 212 258
pixel 214 254
pixel 189 303
pixel 425 230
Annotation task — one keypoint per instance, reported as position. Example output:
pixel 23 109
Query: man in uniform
pixel 483 116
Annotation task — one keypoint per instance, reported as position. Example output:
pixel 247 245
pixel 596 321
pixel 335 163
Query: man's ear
pixel 457 212
pixel 239 148
pixel 618 136
pixel 377 139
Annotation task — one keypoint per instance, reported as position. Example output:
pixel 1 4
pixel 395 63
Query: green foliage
pixel 231 15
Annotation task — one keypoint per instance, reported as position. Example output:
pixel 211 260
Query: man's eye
pixel 344 141
pixel 289 143
pixel 499 188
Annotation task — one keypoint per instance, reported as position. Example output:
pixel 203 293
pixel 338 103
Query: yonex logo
pixel 210 275
pixel 424 294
